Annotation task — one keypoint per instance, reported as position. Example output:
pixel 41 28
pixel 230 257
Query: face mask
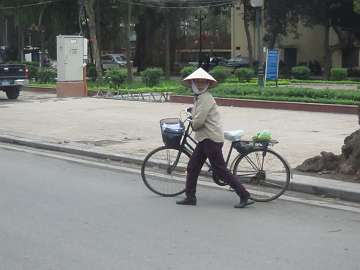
pixel 196 91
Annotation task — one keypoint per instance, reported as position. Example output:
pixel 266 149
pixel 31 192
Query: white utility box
pixel 71 55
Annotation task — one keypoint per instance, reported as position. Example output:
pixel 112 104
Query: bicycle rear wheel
pixel 264 173
pixel 164 171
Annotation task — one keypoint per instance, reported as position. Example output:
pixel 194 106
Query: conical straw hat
pixel 200 74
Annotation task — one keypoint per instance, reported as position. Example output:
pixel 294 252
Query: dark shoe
pixel 244 201
pixel 187 201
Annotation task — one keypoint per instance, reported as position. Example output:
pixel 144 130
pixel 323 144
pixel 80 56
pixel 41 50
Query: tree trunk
pixel 98 13
pixel 89 7
pixel 21 42
pixel 148 24
pixel 81 16
pixel 167 44
pixel 247 11
pixel 128 45
pixel 348 163
pixel 328 54
pixel 41 29
pixel 140 41
pixel 20 35
pixel 173 42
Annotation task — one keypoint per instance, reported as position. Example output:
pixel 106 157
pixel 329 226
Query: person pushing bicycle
pixel 210 136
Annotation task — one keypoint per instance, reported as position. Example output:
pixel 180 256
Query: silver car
pixel 113 61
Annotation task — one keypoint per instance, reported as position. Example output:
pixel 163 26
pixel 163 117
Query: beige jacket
pixel 206 119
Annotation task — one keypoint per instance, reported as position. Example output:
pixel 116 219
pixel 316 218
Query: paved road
pixel 61 215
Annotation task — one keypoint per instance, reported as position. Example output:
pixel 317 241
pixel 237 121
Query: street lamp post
pixel 258 4
pixel 200 18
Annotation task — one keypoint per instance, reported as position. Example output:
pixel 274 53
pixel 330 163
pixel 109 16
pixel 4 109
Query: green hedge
pixel 286 94
pixel 151 76
pixel 115 77
pixel 46 75
pixel 186 71
pixel 324 81
pixel 338 74
pixel 301 72
pixel 220 73
pixel 91 71
pixel 245 74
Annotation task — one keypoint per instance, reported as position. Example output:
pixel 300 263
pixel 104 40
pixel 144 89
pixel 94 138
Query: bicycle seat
pixel 234 135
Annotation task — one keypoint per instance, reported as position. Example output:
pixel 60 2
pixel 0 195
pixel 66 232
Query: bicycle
pixel 264 172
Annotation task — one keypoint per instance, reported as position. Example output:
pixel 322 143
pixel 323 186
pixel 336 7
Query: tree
pixel 356 5
pixel 338 15
pixel 90 11
pixel 248 17
pixel 282 18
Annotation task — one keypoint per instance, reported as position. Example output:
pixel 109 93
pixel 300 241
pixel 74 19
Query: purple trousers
pixel 213 151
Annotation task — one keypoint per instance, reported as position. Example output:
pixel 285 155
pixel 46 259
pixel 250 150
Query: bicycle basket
pixel 172 130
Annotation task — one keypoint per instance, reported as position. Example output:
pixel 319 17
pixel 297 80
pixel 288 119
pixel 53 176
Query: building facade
pixel 307 47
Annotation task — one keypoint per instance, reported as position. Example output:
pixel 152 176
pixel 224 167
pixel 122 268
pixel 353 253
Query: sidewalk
pixel 128 129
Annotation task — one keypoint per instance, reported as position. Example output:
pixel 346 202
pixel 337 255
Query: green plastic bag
pixel 262 136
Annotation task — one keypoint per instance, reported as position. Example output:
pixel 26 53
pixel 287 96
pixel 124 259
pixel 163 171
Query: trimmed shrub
pixel 338 74
pixel 354 72
pixel 151 76
pixel 301 72
pixel 186 71
pixel 91 71
pixel 115 77
pixel 47 75
pixel 244 74
pixel 219 73
pixel 33 68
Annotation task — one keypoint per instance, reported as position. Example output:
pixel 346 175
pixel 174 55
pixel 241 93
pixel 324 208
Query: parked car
pixel 113 61
pixel 12 78
pixel 217 61
pixel 237 62
pixel 213 62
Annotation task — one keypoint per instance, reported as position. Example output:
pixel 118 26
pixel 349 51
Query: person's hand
pixel 189 110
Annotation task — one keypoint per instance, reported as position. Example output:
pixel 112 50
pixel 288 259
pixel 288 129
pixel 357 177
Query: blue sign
pixel 272 65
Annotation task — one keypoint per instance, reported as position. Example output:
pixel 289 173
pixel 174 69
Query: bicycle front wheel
pixel 164 171
pixel 264 173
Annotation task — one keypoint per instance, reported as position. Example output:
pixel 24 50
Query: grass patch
pixel 326 96
pixel 324 81
pixel 238 90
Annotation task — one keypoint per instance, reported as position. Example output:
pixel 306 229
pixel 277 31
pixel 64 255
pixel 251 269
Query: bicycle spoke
pixel 164 171
pixel 264 173
pixel 251 163
pixel 260 164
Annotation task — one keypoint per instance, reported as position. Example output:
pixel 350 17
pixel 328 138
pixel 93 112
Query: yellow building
pixel 309 45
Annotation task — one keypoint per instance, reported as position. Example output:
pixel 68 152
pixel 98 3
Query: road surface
pixel 58 214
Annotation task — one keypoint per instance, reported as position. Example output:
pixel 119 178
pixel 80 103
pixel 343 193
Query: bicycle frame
pixel 267 182
pixel 242 152
pixel 190 149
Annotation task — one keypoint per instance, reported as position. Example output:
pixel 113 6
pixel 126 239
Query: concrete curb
pixel 46 90
pixel 279 105
pixel 306 184
pixel 69 150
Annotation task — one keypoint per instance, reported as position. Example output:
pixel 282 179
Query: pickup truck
pixel 12 78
